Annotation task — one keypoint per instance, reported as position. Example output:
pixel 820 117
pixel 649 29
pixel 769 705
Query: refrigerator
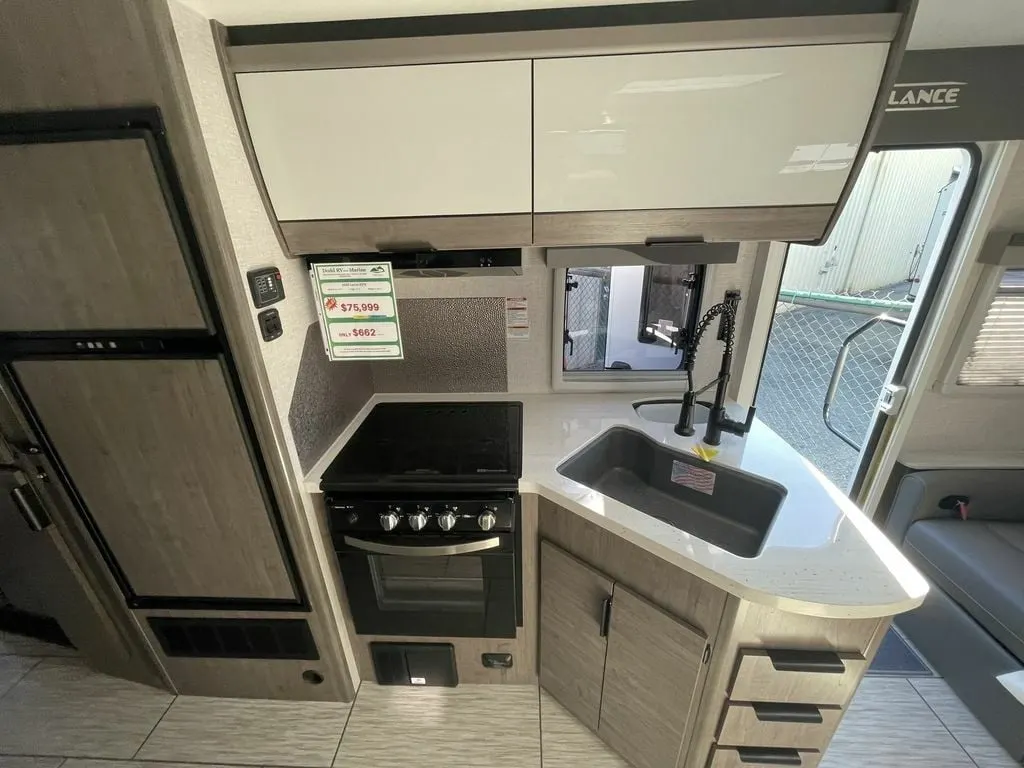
pixel 122 395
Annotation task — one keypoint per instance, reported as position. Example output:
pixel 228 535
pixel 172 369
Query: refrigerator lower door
pixel 156 452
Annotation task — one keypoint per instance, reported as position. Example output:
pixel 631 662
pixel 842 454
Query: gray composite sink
pixel 673 486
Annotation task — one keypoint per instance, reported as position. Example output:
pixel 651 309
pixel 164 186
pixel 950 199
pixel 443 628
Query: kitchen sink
pixel 666 411
pixel 726 507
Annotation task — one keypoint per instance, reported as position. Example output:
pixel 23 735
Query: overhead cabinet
pixel 429 140
pixel 729 145
pixel 701 129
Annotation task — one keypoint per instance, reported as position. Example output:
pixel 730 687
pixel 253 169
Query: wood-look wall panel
pixel 156 451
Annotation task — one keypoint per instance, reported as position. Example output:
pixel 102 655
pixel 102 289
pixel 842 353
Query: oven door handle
pixel 445 550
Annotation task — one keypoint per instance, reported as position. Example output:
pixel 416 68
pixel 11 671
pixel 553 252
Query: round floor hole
pixel 313 677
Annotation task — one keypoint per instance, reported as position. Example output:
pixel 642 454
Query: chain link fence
pixel 806 337
pixel 586 318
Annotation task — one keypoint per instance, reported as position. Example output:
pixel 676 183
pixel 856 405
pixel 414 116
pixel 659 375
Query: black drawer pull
pixel 787 713
pixel 769 756
pixel 807 661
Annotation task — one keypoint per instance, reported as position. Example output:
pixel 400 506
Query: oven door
pixel 431 586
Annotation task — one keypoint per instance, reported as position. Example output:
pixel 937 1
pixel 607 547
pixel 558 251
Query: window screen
pixel 997 355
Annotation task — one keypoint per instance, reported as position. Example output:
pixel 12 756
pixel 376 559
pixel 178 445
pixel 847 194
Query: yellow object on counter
pixel 705 452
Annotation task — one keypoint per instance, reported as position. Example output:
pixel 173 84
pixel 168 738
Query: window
pixel 625 318
pixel 996 358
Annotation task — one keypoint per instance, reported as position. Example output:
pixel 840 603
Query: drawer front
pixel 806 677
pixel 804 726
pixel 751 757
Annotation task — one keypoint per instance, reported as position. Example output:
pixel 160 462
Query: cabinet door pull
pixel 31 507
pixel 769 756
pixel 806 661
pixel 787 713
pixel 606 615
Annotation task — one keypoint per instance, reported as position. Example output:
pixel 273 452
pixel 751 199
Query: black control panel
pixel 410 516
pixel 266 286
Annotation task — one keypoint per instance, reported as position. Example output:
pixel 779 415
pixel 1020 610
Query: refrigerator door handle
pixel 31 507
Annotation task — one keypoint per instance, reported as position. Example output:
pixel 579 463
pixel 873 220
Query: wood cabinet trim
pixel 782 223
pixel 588 41
pixel 304 238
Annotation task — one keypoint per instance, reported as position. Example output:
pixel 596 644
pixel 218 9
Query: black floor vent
pixel 235 638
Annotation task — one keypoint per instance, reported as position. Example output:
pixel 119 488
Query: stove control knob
pixel 447 519
pixel 389 521
pixel 487 520
pixel 417 521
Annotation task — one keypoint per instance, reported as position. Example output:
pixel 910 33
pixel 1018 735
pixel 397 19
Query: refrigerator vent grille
pixel 235 638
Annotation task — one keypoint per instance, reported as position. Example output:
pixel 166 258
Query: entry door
pixel 849 311
pixel 88 239
pixel 158 456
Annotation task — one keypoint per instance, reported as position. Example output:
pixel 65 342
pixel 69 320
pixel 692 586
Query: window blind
pixel 997 355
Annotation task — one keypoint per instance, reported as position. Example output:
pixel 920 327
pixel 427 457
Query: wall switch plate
pixel 265 286
pixel 270 324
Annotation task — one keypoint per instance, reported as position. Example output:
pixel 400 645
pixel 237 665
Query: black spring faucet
pixel 718 422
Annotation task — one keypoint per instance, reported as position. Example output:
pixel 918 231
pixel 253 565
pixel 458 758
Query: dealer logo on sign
pixel 924 97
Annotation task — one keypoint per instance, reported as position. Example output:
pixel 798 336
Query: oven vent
pixel 235 638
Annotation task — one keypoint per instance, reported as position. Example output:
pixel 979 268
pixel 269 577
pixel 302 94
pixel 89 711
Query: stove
pixel 432 445
pixel 424 513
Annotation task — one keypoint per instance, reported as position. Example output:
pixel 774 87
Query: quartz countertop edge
pixel 822 556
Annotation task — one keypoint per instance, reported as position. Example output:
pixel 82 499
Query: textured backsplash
pixel 451 345
pixel 327 396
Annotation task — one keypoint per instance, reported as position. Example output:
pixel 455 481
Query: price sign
pixel 357 311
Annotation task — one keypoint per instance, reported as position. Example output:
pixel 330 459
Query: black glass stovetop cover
pixel 432 444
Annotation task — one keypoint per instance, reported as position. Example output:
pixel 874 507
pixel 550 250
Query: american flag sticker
pixel 696 478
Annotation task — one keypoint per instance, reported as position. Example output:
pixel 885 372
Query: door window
pixel 845 307
pixel 429 583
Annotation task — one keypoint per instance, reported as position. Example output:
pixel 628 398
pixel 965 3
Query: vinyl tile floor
pixel 56 713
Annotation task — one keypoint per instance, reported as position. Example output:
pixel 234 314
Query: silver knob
pixel 389 521
pixel 446 521
pixel 417 521
pixel 487 520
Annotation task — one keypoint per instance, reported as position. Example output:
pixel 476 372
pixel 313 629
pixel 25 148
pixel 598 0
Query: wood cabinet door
pixel 88 242
pixel 653 665
pixel 701 129
pixel 572 648
pixel 156 451
pixel 381 142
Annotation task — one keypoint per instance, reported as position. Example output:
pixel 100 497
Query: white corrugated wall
pixel 879 235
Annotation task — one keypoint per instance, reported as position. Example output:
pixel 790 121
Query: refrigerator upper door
pixel 156 452
pixel 88 240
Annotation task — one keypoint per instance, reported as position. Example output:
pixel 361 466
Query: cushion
pixel 980 564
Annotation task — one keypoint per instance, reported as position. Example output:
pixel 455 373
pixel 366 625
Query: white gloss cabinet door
pixel 702 129
pixel 430 140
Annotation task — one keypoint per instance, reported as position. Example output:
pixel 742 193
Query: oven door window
pixel 463 595
pixel 429 583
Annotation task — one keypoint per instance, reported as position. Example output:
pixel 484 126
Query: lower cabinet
pixel 623 666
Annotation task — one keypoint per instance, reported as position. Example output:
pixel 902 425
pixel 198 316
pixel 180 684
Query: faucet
pixel 718 422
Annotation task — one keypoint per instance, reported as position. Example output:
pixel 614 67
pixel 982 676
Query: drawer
pixel 750 757
pixel 806 677
pixel 805 726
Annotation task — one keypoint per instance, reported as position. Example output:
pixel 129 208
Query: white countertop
pixel 822 556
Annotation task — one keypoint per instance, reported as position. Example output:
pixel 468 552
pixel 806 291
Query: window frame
pixel 982 298
pixel 654 382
